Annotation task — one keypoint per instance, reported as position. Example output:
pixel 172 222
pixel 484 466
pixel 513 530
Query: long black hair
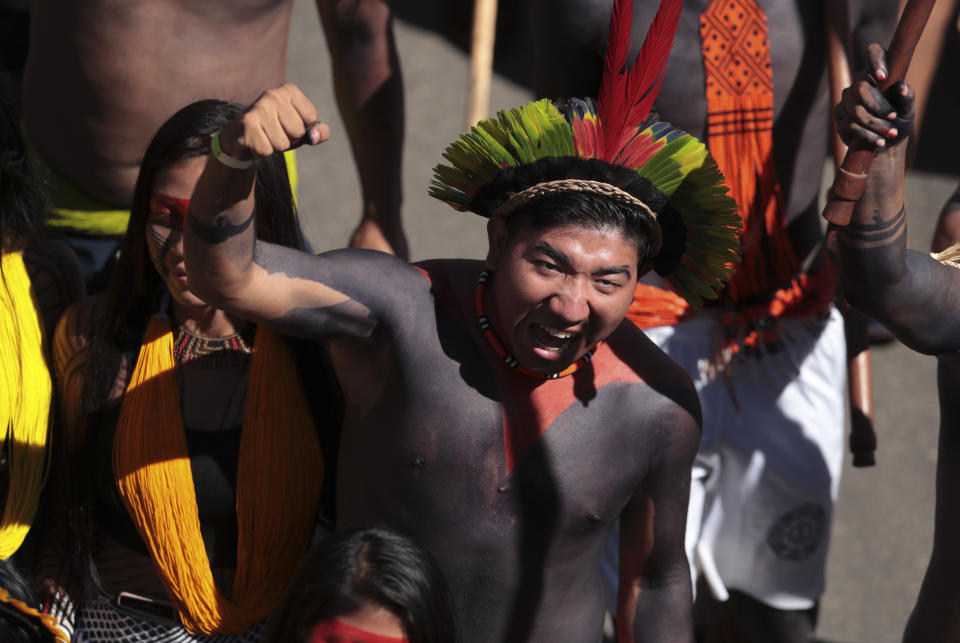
pixel 133 296
pixel 22 201
pixel 375 567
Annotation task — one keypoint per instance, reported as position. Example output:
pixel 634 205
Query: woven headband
pixel 569 185
pixel 523 197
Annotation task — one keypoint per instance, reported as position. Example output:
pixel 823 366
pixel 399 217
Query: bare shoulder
pixel 55 276
pixel 454 274
pixel 675 400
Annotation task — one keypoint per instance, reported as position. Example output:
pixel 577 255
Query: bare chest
pixel 794 33
pixel 460 437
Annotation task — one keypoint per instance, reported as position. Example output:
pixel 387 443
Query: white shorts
pixel 768 470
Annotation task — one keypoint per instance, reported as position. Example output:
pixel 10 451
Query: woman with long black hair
pixel 193 454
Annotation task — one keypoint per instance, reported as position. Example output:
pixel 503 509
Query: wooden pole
pixel 481 60
pixel 863 438
pixel 859 376
pixel 851 178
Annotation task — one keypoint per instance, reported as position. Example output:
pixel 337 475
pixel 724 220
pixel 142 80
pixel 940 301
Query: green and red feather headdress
pixel 617 130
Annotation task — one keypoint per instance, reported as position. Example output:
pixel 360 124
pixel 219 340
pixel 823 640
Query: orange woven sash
pixel 739 92
pixel 279 475
pixel 739 95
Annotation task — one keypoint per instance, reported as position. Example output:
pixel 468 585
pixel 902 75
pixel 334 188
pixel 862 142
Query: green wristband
pixel 230 161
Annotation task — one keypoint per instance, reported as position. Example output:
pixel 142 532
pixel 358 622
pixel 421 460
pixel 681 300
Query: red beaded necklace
pixel 498 346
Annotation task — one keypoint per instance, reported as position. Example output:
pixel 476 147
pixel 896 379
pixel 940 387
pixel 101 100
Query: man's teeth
pixel 559 334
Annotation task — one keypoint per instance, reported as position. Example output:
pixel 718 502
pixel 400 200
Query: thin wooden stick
pixel 863 438
pixel 851 179
pixel 481 59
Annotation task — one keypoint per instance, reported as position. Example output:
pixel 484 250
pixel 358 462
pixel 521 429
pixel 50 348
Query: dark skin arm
pixel 655 598
pixel 369 90
pixel 342 293
pixel 913 295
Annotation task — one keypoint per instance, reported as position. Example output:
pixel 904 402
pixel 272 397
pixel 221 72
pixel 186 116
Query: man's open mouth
pixel 551 339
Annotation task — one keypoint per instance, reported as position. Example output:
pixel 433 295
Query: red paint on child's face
pixel 339 632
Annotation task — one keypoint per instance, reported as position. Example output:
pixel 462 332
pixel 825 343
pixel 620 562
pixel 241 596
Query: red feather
pixel 625 98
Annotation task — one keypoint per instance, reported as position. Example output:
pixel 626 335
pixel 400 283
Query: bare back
pixel 103 75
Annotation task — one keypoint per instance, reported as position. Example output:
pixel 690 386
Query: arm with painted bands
pixel 339 293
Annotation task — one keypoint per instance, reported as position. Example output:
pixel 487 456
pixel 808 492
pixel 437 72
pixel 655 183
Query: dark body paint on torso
pixel 423 450
pixel 573 35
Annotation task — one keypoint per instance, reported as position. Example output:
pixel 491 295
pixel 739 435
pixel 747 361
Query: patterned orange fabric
pixel 739 94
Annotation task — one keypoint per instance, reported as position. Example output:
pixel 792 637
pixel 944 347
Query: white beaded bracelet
pixel 226 159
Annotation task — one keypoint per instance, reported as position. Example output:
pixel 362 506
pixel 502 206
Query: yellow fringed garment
pixel 25 391
pixel 278 484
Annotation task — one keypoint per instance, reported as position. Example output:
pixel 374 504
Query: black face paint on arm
pixel 220 231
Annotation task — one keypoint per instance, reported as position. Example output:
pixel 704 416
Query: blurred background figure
pixel 101 76
pixel 366 586
pixel 14 27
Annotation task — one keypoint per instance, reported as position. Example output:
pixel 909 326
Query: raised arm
pixel 345 292
pixel 655 601
pixel 917 298
pixel 369 88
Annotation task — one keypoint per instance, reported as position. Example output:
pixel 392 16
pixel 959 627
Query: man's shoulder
pixel 450 279
pixel 634 356
pixel 450 270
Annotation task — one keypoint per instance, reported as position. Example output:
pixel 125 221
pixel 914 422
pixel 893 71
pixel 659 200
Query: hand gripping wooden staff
pixel 851 179
pixel 863 439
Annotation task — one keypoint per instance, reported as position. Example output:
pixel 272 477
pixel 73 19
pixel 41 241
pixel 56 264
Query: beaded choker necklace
pixel 209 351
pixel 497 345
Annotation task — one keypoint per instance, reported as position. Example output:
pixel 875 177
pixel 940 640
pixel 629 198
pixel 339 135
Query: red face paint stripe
pixel 175 209
pixel 339 632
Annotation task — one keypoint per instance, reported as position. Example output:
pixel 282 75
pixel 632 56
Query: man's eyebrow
pixel 551 252
pixel 561 258
pixel 615 270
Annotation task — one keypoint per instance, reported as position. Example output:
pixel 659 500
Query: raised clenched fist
pixel 279 120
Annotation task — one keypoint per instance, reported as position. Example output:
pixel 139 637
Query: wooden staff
pixel 863 438
pixel 851 179
pixel 481 59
